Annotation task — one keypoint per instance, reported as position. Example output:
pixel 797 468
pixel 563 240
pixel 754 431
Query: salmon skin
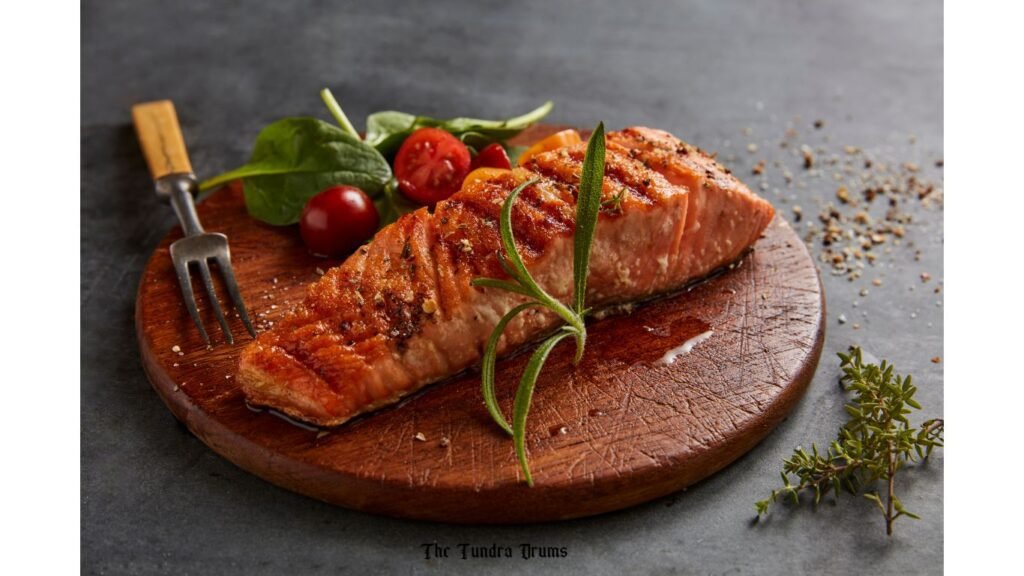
pixel 400 313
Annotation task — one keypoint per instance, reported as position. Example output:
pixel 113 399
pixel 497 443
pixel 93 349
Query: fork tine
pixel 204 269
pixel 181 267
pixel 224 263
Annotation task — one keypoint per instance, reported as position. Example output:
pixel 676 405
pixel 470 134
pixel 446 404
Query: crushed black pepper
pixel 865 202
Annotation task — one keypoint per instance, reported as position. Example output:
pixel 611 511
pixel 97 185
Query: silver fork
pixel 164 148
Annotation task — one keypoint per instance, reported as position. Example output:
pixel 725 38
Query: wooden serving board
pixel 616 430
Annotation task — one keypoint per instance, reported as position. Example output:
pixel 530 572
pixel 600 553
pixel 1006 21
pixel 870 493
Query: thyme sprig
pixel 873 445
pixel 614 204
pixel 588 205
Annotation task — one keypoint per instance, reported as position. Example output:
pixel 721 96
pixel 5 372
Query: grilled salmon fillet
pixel 400 313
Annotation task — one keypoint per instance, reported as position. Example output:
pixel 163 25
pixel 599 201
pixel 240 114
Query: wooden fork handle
pixel 156 124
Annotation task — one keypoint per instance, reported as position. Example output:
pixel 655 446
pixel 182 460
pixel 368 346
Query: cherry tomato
pixel 431 165
pixel 492 156
pixel 336 221
pixel 553 142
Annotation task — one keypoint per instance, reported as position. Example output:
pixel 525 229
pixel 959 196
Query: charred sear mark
pixel 620 177
pixel 537 221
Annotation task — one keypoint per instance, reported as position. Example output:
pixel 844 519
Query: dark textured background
pixel 157 501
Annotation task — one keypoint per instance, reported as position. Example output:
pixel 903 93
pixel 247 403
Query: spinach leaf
pixel 385 131
pixel 294 159
pixel 498 129
pixel 514 152
pixel 475 141
pixel 391 205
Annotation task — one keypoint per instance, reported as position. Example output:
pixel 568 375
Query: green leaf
pixel 487 368
pixel 588 206
pixel 524 395
pixel 391 205
pixel 386 130
pixel 475 141
pixel 873 496
pixel 498 129
pixel 294 159
pixel 514 152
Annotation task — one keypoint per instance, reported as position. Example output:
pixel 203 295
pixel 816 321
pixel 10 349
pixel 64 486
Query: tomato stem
pixel 338 113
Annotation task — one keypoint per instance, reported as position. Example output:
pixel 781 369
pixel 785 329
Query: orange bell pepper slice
pixel 553 142
pixel 481 174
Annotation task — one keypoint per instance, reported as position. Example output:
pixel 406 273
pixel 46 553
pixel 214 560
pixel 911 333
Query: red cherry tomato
pixel 336 221
pixel 492 156
pixel 431 165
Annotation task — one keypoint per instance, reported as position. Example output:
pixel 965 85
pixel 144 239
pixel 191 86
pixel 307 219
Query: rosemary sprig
pixel 872 446
pixel 588 205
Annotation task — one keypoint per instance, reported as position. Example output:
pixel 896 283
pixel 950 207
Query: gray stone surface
pixel 155 500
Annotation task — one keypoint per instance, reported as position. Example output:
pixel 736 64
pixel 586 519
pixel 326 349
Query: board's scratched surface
pixel 618 429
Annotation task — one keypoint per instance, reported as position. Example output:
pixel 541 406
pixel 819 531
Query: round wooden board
pixel 616 430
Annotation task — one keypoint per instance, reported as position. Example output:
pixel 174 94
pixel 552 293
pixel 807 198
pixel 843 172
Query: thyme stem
pixel 889 518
